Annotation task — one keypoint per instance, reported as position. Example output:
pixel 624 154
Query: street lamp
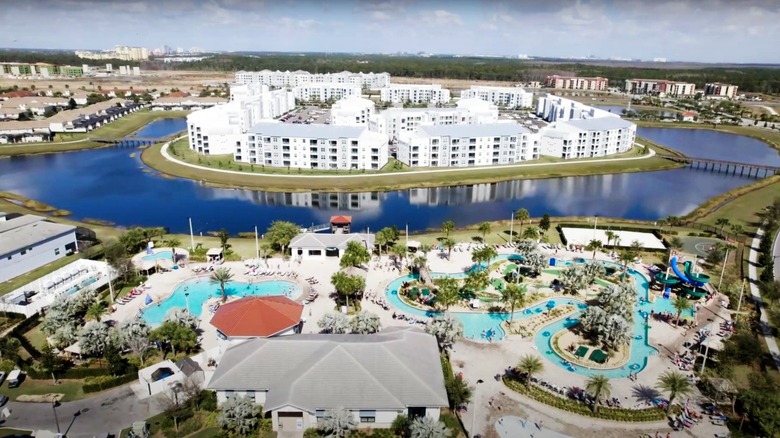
pixel 187 300
pixel 474 410
pixel 56 419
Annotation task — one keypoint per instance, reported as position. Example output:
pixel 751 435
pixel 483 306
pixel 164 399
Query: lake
pixel 109 184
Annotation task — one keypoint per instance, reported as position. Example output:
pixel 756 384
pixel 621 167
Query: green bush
pixel 208 401
pixel 106 382
pixel 311 433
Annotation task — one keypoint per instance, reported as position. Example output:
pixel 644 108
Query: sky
pixel 739 31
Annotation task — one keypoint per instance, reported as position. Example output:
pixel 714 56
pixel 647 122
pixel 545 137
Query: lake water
pixel 109 184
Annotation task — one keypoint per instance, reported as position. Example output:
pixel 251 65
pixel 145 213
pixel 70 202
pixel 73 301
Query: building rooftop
pixel 272 129
pixel 193 99
pixel 257 316
pixel 324 240
pixel 600 123
pixel 29 232
pixel 482 130
pixel 394 369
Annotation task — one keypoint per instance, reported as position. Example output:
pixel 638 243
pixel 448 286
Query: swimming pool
pixel 201 289
pixel 158 256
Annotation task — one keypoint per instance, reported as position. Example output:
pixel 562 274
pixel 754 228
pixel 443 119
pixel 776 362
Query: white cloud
pixel 441 18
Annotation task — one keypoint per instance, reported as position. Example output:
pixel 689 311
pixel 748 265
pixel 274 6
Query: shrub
pixel 107 382
pixel 208 401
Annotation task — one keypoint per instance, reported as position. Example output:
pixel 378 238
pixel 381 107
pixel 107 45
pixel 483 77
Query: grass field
pixel 71 388
pixel 740 205
pixel 416 178
pixel 79 141
pixel 7 431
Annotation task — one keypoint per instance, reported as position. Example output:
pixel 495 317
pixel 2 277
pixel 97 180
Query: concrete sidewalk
pixel 771 342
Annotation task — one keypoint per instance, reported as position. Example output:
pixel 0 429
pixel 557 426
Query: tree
pixel 449 244
pixel 447 227
pixel 222 277
pixel 594 245
pixel 458 390
pixel 427 427
pixel 281 233
pixel 355 254
pixel 447 293
pixel 347 285
pixel 9 348
pixel 599 386
pixel 721 222
pixel 117 365
pixel 530 233
pixel 223 236
pixel 573 279
pixel 338 423
pixel 526 246
pixel 384 237
pixel 530 365
pixel 446 328
pixel 72 104
pixel 334 322
pixel 50 362
pixel 183 318
pixel 536 262
pixel 365 323
pixel 399 252
pixel 173 404
pixel 239 415
pixel 675 383
pixel 513 295
pixel 93 339
pixel 134 335
pixel 483 256
pixel 544 222
pixel 737 230
pixel 484 228
pixel 522 215
pixel 419 263
pixel 179 337
pixel 625 257
pixel 680 305
pixel 611 235
pixel 174 243
pixel 96 311
pixel 477 280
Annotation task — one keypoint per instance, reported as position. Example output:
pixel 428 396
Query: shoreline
pixel 771 138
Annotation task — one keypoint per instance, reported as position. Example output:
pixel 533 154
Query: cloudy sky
pixel 687 30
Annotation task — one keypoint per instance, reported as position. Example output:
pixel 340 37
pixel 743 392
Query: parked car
pixel 14 378
pixel 3 399
pixel 2 377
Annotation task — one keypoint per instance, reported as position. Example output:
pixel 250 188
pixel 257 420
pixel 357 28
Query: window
pixel 56 252
pixel 229 394
pixel 367 416
pixel 320 414
pixel 251 394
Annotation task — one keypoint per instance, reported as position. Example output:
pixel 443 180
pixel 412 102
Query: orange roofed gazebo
pixel 258 317
pixel 340 224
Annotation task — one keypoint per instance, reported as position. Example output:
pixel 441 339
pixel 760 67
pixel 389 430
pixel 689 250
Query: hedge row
pixel 23 327
pixel 110 382
pixel 73 373
pixel 605 413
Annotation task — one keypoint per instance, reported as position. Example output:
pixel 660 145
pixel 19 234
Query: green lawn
pixel 36 337
pixel 5 431
pixel 740 205
pixel 35 274
pixel 71 388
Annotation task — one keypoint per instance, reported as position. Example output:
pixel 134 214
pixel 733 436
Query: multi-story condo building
pixel 577 83
pixel 323 92
pixel 329 147
pixel 554 108
pixel 17 69
pixel 353 110
pixel 507 97
pixel 716 89
pixel 468 145
pixel 396 121
pixel 222 128
pixel 585 138
pixel 124 53
pixel 660 87
pixel 414 93
pixel 300 77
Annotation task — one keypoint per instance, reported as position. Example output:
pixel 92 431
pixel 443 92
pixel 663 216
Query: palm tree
pixel 722 222
pixel 680 304
pixel 530 365
pixel 447 293
pixel 338 423
pixel 611 235
pixel 425 248
pixel 599 386
pixel 675 383
pixel 427 427
pixel 173 243
pixel 447 227
pixel 513 295
pixel 737 230
pixel 522 215
pixel 449 244
pixel 96 311
pixel 626 257
pixel 221 277
pixel 675 243
pixel 399 251
pixel 594 245
pixel 484 228
pixel 530 233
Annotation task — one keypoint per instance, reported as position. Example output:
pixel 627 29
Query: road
pixel 110 411
pixel 776 255
pixel 771 343
pixel 770 109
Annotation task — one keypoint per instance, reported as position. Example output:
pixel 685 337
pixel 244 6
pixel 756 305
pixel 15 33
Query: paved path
pixel 110 411
pixel 771 343
pixel 776 255
pixel 770 109
pixel 167 156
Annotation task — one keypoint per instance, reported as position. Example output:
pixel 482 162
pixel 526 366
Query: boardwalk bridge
pixel 129 141
pixel 725 166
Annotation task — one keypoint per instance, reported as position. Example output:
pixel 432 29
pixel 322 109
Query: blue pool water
pixel 201 289
pixel 474 324
pixel 158 256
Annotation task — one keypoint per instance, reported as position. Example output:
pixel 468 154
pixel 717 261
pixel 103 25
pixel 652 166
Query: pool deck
pixel 476 360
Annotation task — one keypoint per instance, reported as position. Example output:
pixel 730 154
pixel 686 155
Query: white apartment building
pixel 660 87
pixel 415 93
pixel 323 92
pixel 585 138
pixel 300 77
pixel 353 110
pixel 554 108
pixel 716 89
pixel 396 121
pixel 507 97
pixel 329 147
pixel 221 129
pixel 577 83
pixel 468 145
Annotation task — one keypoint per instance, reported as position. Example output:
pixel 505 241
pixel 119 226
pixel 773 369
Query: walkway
pixel 771 343
pixel 776 255
pixel 167 156
pixel 770 109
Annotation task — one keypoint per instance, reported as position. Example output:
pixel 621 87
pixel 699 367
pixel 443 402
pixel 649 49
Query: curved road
pixel 109 411
pixel 167 156
pixel 771 342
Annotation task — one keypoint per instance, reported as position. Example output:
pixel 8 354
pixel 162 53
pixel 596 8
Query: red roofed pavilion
pixel 258 317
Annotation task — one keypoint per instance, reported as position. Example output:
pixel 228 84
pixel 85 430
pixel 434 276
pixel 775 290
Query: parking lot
pixel 308 115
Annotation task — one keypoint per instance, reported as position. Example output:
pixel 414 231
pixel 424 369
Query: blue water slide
pixel 682 276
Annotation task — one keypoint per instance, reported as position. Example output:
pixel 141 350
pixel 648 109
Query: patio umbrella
pixel 550 304
pixel 148 300
pixel 510 268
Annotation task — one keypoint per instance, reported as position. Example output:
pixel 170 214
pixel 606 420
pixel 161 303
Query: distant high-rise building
pixel 109 68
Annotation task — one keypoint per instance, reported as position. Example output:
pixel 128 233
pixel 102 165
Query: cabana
pixel 214 255
pixel 599 356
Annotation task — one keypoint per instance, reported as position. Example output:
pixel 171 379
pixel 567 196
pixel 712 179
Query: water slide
pixel 682 276
pixel 702 278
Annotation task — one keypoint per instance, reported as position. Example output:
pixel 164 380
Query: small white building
pixel 555 108
pixel 187 103
pixel 414 93
pixel 323 92
pixel 328 147
pixel 506 97
pixel 300 77
pixel 168 376
pixel 313 246
pixel 394 122
pixel 353 110
pixel 28 242
pixel 587 138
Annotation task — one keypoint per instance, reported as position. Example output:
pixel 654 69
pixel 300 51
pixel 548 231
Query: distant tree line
pixel 748 78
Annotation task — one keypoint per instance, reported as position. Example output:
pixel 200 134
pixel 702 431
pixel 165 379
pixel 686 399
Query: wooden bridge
pixel 318 228
pixel 724 166
pixel 130 141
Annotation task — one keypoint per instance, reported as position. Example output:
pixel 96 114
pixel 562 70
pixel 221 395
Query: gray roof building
pixel 318 240
pixel 28 231
pixel 600 123
pixel 392 370
pixel 480 130
pixel 303 130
